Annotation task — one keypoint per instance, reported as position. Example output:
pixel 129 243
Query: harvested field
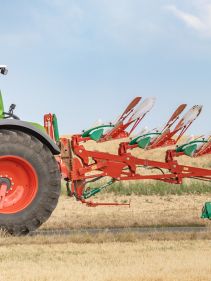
pixel 144 211
pixel 136 261
pixel 118 256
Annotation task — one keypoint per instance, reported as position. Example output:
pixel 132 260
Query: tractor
pixel 30 180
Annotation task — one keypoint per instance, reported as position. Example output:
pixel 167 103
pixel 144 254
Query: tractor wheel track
pixel 116 230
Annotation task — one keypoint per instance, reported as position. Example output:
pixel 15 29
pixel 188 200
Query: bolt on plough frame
pixel 80 166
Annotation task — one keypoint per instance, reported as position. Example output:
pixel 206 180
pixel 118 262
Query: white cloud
pixel 191 20
pixel 199 20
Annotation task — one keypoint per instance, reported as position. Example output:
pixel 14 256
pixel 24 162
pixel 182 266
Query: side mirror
pixel 3 69
pixel 12 108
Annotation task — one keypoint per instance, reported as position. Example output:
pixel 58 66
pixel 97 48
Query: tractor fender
pixel 25 127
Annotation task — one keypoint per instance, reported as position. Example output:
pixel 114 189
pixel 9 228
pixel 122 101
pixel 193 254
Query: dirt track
pixel 119 230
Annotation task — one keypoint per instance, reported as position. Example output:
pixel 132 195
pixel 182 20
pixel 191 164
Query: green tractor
pixel 30 180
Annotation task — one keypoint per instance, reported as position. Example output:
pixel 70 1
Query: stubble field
pixel 56 258
pixel 119 257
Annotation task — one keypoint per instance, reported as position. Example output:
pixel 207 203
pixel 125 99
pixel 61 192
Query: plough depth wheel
pixel 30 182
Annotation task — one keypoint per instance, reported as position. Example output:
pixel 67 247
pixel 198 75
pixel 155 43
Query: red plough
pixel 80 166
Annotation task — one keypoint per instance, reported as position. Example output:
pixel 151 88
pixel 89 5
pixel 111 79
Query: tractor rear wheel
pixel 33 182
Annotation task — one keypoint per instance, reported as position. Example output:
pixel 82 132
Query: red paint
pixel 24 184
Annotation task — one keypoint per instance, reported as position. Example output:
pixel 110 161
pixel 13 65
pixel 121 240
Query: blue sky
pixel 85 60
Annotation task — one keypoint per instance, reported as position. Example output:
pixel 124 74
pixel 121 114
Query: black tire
pixel 49 181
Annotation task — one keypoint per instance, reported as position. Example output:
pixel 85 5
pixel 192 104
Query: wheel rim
pixel 23 183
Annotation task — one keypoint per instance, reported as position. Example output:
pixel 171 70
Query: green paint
pixel 56 128
pixel 206 212
pixel 143 143
pixel 38 126
pixel 190 148
pixel 88 132
pixel 1 106
pixel 89 193
pixel 96 135
pixel 136 140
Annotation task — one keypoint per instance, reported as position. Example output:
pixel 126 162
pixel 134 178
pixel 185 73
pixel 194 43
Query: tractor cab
pixel 3 114
pixel 3 71
pixel 10 114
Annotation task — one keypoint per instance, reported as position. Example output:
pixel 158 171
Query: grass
pixel 153 188
pixel 58 258
pixel 159 188
pixel 101 237
pixel 150 210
